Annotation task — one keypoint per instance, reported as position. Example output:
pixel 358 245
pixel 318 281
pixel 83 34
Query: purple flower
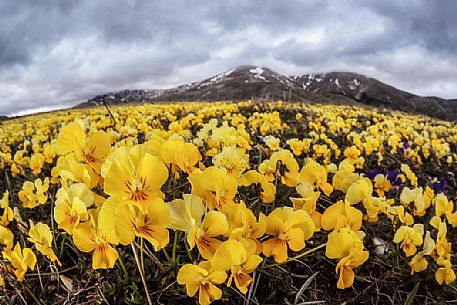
pixel 376 171
pixel 439 186
pixel 392 176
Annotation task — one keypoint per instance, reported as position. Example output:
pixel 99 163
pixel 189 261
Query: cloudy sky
pixel 57 53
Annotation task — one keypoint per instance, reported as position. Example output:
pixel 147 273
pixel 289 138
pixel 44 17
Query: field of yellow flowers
pixel 231 203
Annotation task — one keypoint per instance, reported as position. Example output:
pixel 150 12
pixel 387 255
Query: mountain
pixel 123 97
pixel 250 82
pixel 372 92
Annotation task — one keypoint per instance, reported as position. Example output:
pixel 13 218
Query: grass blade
pixel 304 286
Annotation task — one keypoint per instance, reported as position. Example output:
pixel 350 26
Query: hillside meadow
pixel 227 203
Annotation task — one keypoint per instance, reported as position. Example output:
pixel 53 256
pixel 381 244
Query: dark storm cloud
pixel 59 52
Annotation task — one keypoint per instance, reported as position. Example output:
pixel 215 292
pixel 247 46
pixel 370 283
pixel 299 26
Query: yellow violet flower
pixel 90 236
pixel 180 155
pixel 135 176
pixel 409 238
pixel 377 205
pixel 347 246
pixel 243 226
pixel 308 202
pixel 382 184
pixel 76 172
pixel 296 145
pixel 351 153
pixel 71 206
pixel 359 190
pixel 36 163
pixel 215 187
pixel 129 221
pixel 92 151
pixel 341 214
pixel 33 194
pixel 7 214
pixel 6 237
pixel 445 207
pixel 41 237
pixel 200 278
pixel 214 224
pixel 21 260
pixel 232 256
pixel 418 263
pixel 409 174
pixel 188 215
pixel 315 174
pixel 268 192
pixel 445 274
pixel 288 167
pixel 230 160
pixel 289 229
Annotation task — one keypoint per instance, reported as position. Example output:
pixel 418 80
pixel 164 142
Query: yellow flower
pixel 409 238
pixel 443 206
pixel 340 215
pixel 243 226
pixel 89 236
pixel 33 194
pixel 288 167
pixel 76 172
pixel 359 190
pixel 36 163
pixel 181 155
pixel 343 179
pixel 272 142
pixel 49 153
pixel 232 256
pixel 71 206
pixel 315 174
pixel 376 205
pixel 6 237
pixel 382 184
pixel 418 263
pixel 409 174
pixel 7 215
pixel 308 202
pixel 187 214
pixel 404 217
pixel 214 224
pixel 351 153
pixel 41 237
pixel 445 274
pixel 230 160
pixel 135 176
pixel 21 260
pixel 129 221
pixel 296 146
pixel 289 229
pixel 92 151
pixel 215 187
pixel 347 246
pixel 200 278
pixel 254 177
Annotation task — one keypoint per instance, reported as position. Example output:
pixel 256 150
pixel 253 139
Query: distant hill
pixel 248 82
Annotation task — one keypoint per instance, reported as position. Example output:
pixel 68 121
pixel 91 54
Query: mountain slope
pixel 248 82
pixel 370 91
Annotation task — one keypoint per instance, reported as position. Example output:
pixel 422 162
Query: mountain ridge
pixel 253 82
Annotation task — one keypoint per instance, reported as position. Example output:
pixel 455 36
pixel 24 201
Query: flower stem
pixel 137 260
pixel 175 244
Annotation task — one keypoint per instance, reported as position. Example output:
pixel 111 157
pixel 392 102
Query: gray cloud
pixel 61 52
